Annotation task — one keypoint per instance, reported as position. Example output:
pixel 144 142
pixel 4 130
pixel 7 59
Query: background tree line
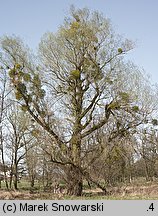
pixel 76 110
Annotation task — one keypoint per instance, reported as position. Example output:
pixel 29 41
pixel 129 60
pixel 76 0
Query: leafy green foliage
pixel 42 93
pixel 25 82
pixel 124 96
pixel 75 74
pixel 120 50
pixel 35 132
pixel 114 105
pixel 27 77
pixel 21 88
pixel 23 108
pixel 135 108
pixel 108 80
pixel 18 66
pixel 154 122
pixel 36 80
pixel 12 72
pixel 18 95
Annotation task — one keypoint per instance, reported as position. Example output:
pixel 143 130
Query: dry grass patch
pixel 122 193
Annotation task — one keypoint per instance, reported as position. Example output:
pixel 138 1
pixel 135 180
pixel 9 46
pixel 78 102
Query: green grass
pixel 138 190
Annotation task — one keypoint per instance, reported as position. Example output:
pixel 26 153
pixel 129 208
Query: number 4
pixel 151 207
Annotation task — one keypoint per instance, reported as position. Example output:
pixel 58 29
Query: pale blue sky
pixel 134 19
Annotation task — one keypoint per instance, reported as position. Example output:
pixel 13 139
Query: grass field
pixel 139 191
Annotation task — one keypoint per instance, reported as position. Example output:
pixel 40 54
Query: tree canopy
pixel 79 89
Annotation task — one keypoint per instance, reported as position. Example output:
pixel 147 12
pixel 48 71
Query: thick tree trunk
pixel 74 175
pixel 74 181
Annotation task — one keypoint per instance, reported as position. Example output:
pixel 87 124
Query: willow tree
pixel 79 84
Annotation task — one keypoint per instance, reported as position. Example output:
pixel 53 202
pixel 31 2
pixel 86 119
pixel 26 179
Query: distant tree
pixel 147 149
pixel 18 138
pixel 32 160
pixel 4 105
